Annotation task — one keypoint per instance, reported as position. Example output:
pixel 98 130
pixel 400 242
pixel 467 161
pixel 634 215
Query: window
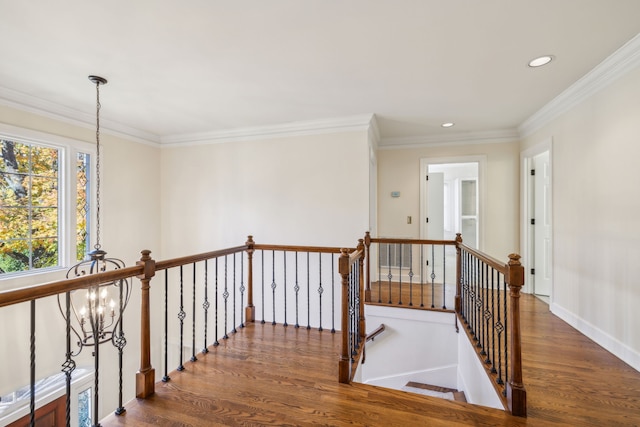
pixel 38 191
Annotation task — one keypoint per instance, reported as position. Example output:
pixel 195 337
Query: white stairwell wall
pixel 423 346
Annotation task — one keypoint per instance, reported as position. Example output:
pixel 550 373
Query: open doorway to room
pixel 451 199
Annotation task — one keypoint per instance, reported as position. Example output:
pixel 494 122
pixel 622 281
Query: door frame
pixel 424 169
pixel 526 211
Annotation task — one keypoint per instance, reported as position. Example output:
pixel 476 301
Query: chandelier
pixel 94 316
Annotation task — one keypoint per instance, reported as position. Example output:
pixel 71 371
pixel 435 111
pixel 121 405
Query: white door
pixel 541 224
pixel 435 205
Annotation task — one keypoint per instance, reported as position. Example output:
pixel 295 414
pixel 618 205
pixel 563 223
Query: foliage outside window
pixel 31 209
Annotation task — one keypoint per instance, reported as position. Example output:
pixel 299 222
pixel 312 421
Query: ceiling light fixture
pixel 447 124
pixel 540 61
pixel 94 317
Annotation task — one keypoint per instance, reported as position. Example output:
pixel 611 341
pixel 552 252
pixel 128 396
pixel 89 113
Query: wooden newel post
pixel 458 301
pixel 250 311
pixel 367 254
pixel 344 371
pixel 146 376
pixel 361 291
pixel 516 393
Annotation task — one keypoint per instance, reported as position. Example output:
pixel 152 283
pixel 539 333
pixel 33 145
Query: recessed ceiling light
pixel 447 125
pixel 540 61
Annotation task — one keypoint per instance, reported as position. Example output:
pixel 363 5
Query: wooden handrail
pixel 190 259
pixel 372 336
pixel 296 248
pixel 500 266
pixel 65 285
pixel 413 241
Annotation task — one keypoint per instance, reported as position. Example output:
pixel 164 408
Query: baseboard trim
pixel 609 343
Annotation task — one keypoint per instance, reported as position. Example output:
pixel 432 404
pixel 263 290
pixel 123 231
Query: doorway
pixel 537 228
pixel 451 199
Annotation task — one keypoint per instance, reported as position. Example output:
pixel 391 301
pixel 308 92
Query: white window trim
pixel 69 148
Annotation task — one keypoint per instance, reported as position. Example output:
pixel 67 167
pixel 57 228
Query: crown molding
pixel 31 104
pixel 310 127
pixel 470 138
pixel 616 65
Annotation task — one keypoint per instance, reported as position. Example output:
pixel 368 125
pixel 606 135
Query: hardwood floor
pixel 272 375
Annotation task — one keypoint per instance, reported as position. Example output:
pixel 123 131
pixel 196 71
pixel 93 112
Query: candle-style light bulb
pixel 83 312
pixel 112 305
pixel 103 294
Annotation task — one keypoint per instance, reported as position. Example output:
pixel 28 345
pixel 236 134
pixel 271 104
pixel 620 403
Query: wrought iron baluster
pixel 493 331
pixel 444 277
pixel 120 342
pixel 166 377
pixel 193 318
pixel 216 342
pixel 308 293
pixel 206 305
pixel 389 275
pixel 273 286
pixel 69 365
pixel 499 326
pixel 233 286
pixel 32 366
pixel 506 335
pixel 400 247
pixel 320 289
pixel 284 260
pixel 296 288
pixel 480 305
pixel 242 289
pixel 262 288
pixel 379 274
pixel 433 276
pixel 422 275
pixel 225 295
pixel 333 294
pixel 181 316
pixel 411 275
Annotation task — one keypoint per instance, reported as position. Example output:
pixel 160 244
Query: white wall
pixel 305 190
pixel 596 200
pixel 399 170
pixel 130 222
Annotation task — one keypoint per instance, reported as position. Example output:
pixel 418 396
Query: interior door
pixel 435 205
pixel 542 224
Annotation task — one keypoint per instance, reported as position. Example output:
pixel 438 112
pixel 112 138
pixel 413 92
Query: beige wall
pixel 399 170
pixel 305 190
pixel 596 201
pixel 130 222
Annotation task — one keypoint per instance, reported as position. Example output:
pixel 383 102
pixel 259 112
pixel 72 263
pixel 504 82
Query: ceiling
pixel 183 68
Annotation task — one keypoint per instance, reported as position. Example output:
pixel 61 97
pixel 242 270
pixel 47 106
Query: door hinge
pixel 533 271
pixel 427 177
pixel 427 220
pixel 533 221
pixel 533 172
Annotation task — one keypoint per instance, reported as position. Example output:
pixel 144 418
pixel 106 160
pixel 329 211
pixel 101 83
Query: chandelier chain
pixel 97 246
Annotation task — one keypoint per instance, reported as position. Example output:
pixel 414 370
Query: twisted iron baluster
pixel 120 342
pixel 242 289
pixel 491 357
pixel 506 336
pixel 499 327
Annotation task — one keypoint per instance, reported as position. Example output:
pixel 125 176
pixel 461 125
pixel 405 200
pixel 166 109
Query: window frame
pixel 68 152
